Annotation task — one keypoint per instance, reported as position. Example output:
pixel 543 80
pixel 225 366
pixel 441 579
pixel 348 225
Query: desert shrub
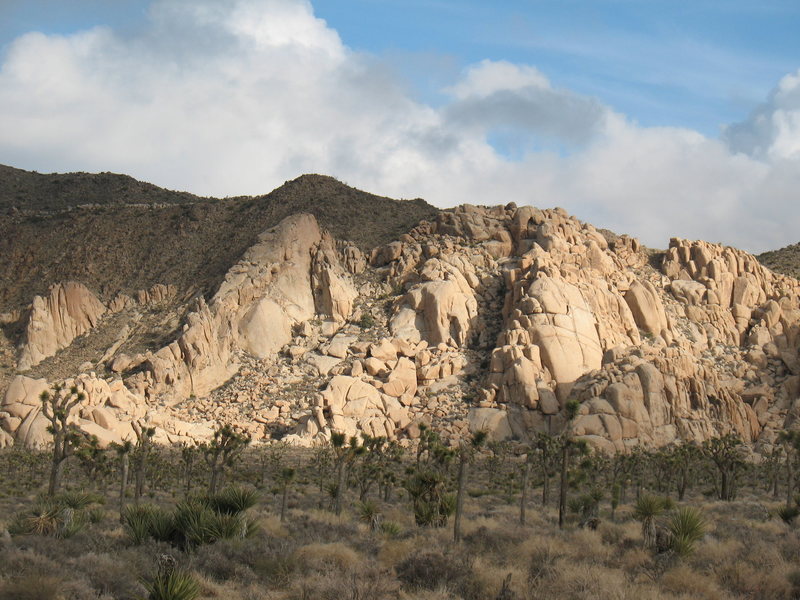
pixel 307 529
pixel 320 557
pixel 746 580
pixel 683 580
pixel 542 565
pixel 32 587
pixel 366 321
pixel 366 583
pixel 224 560
pixel 275 569
pixel 434 570
pixel 112 575
pixel 496 541
pixel 611 533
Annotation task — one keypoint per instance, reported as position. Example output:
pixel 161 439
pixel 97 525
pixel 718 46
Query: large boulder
pixel 647 308
pixel 69 310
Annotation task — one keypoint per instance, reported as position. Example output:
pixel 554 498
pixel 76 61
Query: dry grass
pixel 317 555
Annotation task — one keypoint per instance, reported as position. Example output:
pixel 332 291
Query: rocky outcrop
pixel 69 310
pixel 290 275
pixel 485 319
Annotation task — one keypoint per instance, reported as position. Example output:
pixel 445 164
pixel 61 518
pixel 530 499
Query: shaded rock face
pixel 69 310
pixel 486 318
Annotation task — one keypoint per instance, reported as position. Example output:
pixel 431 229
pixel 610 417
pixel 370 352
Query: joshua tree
pixel 547 452
pixel 466 454
pixel 123 451
pixel 188 453
pixel 141 452
pixel 57 407
pixel 526 475
pixel 343 455
pixel 685 461
pixel 320 463
pixel 223 451
pixel 426 481
pixel 94 461
pixel 772 466
pixel 285 477
pixel 374 465
pixel 272 461
pixel 791 444
pixel 727 454
pixel 567 444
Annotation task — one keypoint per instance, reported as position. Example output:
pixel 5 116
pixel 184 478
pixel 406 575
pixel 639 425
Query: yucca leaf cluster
pixel 194 522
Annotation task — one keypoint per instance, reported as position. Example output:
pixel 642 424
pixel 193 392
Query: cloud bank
pixel 228 98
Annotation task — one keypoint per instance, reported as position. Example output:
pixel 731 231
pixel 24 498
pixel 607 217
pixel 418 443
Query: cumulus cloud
pixel 773 130
pixel 498 94
pixel 235 97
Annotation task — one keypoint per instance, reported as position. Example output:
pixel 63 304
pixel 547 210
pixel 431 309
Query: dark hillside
pixel 25 190
pixel 786 260
pixel 133 235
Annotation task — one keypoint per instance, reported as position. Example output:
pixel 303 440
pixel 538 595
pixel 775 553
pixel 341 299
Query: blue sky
pixel 655 118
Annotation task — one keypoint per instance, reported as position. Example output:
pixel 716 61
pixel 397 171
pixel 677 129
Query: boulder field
pixel 487 318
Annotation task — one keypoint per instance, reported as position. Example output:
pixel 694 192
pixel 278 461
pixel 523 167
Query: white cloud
pixel 773 129
pixel 235 97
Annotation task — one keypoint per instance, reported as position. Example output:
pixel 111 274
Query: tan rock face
pixel 69 310
pixel 488 318
pixel 288 277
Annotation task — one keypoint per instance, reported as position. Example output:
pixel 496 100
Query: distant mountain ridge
pixel 115 233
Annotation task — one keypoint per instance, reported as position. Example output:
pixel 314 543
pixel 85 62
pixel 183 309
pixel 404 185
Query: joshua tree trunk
pixel 649 532
pixel 214 481
pixel 523 500
pixel 123 486
pixel 462 479
pixel 283 500
pixel 562 496
pixel 341 481
pixel 546 489
pixel 55 476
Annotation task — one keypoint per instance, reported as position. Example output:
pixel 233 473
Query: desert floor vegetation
pixel 290 524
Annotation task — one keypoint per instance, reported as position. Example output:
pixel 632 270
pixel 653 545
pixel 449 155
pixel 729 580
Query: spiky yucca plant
pixel 231 501
pixel 175 585
pixel 788 513
pixel 687 527
pixel 369 513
